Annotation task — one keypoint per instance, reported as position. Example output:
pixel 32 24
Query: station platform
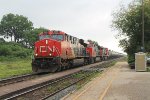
pixel 118 82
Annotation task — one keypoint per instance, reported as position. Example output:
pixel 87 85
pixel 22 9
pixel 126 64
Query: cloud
pixel 88 19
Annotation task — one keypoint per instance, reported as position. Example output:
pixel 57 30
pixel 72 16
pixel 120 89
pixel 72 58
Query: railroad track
pixel 36 92
pixel 56 95
pixel 43 90
pixel 16 79
pixel 33 88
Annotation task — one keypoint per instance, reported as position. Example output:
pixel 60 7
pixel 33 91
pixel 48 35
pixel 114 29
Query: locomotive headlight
pixel 46 41
pixel 36 54
pixel 50 54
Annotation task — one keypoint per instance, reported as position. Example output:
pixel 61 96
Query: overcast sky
pixel 87 19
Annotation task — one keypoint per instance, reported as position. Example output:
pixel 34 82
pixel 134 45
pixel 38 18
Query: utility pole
pixel 143 47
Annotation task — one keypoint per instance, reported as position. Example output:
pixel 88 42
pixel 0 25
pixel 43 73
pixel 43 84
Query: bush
pixel 131 61
pixel 5 50
pixel 131 58
pixel 10 49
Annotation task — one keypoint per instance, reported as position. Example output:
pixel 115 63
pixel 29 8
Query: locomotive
pixel 57 50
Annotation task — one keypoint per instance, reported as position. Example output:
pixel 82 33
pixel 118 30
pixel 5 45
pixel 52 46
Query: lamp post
pixel 143 26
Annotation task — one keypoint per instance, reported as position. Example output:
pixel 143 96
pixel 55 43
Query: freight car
pixel 57 50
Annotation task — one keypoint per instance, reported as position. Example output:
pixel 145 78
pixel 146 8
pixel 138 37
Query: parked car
pixel 148 60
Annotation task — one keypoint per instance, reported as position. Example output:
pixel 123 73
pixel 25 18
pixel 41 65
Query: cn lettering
pixel 47 49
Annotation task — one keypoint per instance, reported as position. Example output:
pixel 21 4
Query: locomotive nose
pixel 47 48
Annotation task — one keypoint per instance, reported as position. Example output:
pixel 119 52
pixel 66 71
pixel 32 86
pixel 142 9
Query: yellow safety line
pixel 90 85
pixel 109 85
pixel 84 91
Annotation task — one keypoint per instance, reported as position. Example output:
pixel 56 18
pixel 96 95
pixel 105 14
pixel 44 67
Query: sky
pixel 86 19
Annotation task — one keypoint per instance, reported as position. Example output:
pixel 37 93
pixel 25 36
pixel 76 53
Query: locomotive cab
pixel 55 35
pixel 92 51
pixel 47 51
pixel 57 50
pixel 49 44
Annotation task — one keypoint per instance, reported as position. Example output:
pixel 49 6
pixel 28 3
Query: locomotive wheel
pixel 54 68
pixel 64 67
pixel 71 64
pixel 91 60
pixel 34 69
pixel 59 68
pixel 68 65
pixel 104 58
pixel 84 63
pixel 94 60
pixel 87 61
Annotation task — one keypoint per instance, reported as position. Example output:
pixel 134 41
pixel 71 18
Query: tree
pixel 31 36
pixel 128 21
pixel 14 26
pixel 2 40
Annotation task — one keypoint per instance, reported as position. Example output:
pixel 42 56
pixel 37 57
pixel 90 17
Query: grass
pixel 79 75
pixel 57 86
pixel 88 79
pixel 112 63
pixel 95 74
pixel 148 67
pixel 123 59
pixel 13 68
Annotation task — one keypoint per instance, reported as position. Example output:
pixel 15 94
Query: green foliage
pixel 11 49
pixel 2 40
pixel 148 69
pixel 30 37
pixel 14 26
pixel 14 54
pixel 12 68
pixel 128 21
pixel 131 58
pixel 5 50
pixel 20 29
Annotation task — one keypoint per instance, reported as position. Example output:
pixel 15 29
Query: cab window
pixel 41 37
pixel 57 37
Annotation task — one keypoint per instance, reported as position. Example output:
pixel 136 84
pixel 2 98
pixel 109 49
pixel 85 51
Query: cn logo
pixel 47 48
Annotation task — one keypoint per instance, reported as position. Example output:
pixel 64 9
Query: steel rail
pixel 15 79
pixel 24 91
pixel 74 83
pixel 27 90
